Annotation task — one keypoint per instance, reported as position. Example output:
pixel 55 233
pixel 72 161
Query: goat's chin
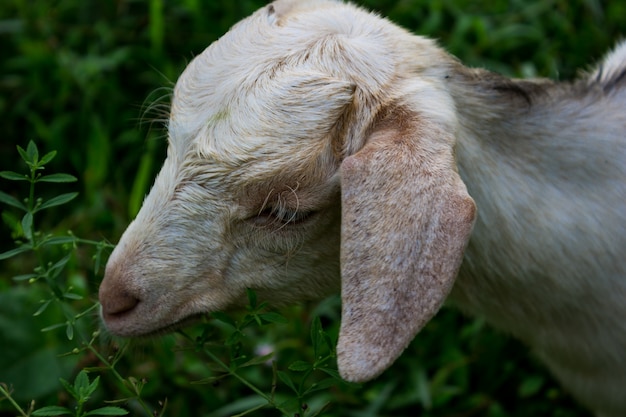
pixel 185 322
pixel 123 328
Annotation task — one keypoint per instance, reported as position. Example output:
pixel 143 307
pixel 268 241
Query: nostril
pixel 116 298
pixel 119 294
pixel 117 304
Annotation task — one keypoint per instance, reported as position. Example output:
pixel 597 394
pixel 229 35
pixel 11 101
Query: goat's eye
pixel 282 216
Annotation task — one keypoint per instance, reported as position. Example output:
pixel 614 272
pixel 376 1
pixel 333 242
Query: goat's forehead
pixel 268 81
pixel 279 170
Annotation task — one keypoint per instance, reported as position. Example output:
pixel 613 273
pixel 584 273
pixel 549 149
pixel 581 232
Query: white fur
pixel 309 103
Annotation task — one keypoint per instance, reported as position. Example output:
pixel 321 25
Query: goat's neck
pixel 510 148
pixel 533 156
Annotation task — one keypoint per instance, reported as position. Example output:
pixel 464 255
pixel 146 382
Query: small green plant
pixel 36 241
pixel 49 272
pixel 31 205
pixel 81 391
pixel 302 378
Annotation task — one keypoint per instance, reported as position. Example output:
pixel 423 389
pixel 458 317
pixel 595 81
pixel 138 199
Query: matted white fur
pixel 317 146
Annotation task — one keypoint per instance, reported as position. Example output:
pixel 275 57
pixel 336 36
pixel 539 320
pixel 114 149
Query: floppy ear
pixel 406 220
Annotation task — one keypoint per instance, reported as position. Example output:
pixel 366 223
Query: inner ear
pixel 406 220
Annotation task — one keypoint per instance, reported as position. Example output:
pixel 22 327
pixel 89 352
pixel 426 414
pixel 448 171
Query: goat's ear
pixel 406 220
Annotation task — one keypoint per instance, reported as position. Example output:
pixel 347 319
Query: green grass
pixel 90 79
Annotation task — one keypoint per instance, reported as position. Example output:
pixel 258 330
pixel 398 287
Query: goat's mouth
pixel 141 324
pixel 171 328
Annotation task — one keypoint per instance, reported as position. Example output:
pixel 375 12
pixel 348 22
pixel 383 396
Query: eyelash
pixel 282 216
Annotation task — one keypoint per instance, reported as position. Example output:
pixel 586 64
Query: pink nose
pixel 116 302
pixel 116 298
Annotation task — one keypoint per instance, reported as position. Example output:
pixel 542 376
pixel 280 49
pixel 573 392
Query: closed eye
pixel 281 216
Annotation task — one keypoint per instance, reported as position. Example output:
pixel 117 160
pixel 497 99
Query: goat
pixel 318 147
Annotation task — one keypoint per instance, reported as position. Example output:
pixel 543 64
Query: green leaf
pixel 245 406
pixel 330 344
pixel 69 331
pixel 48 157
pixel 234 338
pixel 107 411
pixel 32 152
pixel 16 251
pixel 57 240
pixel 251 298
pixel 52 410
pixel 72 296
pixel 424 389
pixel 11 201
pixel 98 256
pixel 236 362
pixel 42 308
pixel 530 386
pixel 24 277
pixel 209 380
pixel 316 335
pixel 91 388
pixel 54 326
pixel 300 366
pixel 321 385
pixel 81 381
pixel 57 178
pixel 69 388
pixel 285 378
pixel 257 360
pixel 56 269
pixel 333 373
pixel 27 225
pixel 57 201
pixel 273 318
pixel 140 185
pixel 23 154
pixel 13 176
pixel 223 317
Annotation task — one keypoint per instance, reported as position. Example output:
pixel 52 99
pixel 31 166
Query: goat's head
pixel 311 146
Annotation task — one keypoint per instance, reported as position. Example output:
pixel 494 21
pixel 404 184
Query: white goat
pixel 317 145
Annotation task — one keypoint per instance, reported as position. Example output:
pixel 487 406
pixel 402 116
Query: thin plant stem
pixel 87 311
pixel 93 242
pixel 12 401
pixel 111 368
pixel 214 358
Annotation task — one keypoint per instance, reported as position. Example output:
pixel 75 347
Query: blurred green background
pixel 91 79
